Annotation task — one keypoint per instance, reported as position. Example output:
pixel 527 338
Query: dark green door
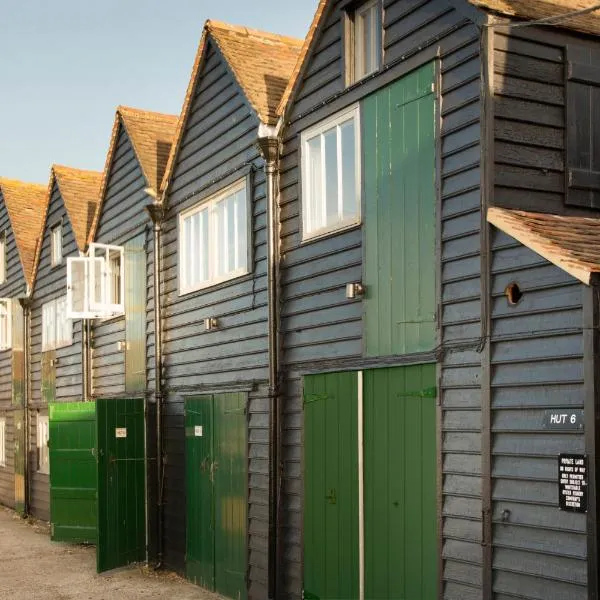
pixel 400 458
pixel 121 482
pixel 216 483
pixel 331 486
pixel 72 438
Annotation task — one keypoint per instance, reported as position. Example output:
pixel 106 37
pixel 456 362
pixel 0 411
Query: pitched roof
pixel 542 9
pixel 518 9
pixel 571 243
pixel 261 63
pixel 26 206
pixel 151 135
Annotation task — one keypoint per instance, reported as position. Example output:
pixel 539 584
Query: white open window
pixel 56 245
pixel 5 323
pixel 43 452
pixel 331 174
pixel 2 442
pixel 364 39
pixel 57 326
pixel 214 239
pixel 96 283
pixel 3 257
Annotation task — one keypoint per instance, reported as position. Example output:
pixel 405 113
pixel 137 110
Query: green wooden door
pixel 400 458
pixel 121 482
pixel 331 486
pixel 72 441
pixel 216 483
pixel 399 223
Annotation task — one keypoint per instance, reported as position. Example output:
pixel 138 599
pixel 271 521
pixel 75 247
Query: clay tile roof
pixel 571 243
pixel 541 9
pixel 26 206
pixel 80 191
pixel 261 63
pixel 151 135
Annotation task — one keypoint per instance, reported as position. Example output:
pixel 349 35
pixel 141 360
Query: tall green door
pixel 398 556
pixel 216 484
pixel 330 486
pixel 400 458
pixel 72 438
pixel 121 482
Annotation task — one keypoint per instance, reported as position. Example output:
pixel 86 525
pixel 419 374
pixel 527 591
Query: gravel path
pixel 34 568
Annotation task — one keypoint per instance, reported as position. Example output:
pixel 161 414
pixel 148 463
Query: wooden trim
pixel 582 73
pixel 583 179
pixel 591 346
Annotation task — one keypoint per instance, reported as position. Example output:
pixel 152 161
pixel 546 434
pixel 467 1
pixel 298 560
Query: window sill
pixel 330 231
pixel 215 283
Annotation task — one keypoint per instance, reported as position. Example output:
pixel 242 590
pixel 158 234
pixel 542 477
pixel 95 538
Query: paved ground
pixel 34 568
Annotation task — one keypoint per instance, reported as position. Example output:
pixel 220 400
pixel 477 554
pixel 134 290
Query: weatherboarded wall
pixel 50 283
pixel 323 330
pixel 218 148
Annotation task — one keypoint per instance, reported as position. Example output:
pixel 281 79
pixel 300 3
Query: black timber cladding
pixel 50 283
pixel 122 217
pixel 218 147
pixel 13 286
pixel 322 330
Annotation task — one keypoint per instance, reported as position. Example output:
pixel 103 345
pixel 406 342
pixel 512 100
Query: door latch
pixel 331 497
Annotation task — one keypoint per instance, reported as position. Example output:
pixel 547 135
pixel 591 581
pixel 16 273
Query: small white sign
pixel 197 430
pixel 121 432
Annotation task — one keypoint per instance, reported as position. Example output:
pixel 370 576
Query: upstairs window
pixel 43 452
pixel 57 327
pixel 331 174
pixel 56 245
pixel 2 442
pixel 5 324
pixel 363 40
pixel 3 257
pixel 214 239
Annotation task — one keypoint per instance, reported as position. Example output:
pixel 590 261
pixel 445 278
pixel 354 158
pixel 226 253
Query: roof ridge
pixel 9 181
pixel 149 115
pixel 212 24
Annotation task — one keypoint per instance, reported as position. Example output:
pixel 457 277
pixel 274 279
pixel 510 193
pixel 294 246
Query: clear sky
pixel 65 65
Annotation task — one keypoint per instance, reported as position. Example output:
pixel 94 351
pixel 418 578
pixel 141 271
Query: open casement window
pixel 5 323
pixel 96 283
pixel 57 326
pixel 56 245
pixel 43 451
pixel 331 174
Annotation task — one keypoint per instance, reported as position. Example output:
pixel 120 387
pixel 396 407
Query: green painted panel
pixel 400 483
pixel 399 187
pixel 73 471
pixel 135 314
pixel 48 384
pixel 200 554
pixel 19 460
pixel 230 484
pixel 121 482
pixel 331 486
pixel 216 483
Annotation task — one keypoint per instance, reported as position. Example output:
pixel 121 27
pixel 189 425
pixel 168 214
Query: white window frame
pixel 209 204
pixel 57 326
pixel 308 232
pixel 56 241
pixel 2 442
pixel 43 450
pixel 5 323
pixel 355 52
pixel 3 265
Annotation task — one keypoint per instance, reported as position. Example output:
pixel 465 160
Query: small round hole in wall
pixel 513 293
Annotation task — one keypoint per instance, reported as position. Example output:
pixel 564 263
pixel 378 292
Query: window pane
pixel 349 170
pixel 188 251
pixel 367 40
pixel 201 247
pixel 331 176
pixel 314 218
pixel 230 234
pixel 220 244
pixel 241 231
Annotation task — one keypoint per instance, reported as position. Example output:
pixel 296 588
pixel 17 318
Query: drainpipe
pixel 156 213
pixel 86 331
pixel 268 143
pixel 26 306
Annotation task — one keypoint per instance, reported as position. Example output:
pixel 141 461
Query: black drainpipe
pixel 86 331
pixel 269 148
pixel 156 212
pixel 26 306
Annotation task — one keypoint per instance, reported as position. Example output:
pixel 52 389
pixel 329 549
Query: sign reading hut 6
pixel 96 283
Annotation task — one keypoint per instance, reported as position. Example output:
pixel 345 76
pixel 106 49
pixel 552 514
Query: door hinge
pixel 308 398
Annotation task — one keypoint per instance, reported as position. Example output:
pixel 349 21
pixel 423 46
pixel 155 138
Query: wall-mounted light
pixel 354 290
pixel 211 323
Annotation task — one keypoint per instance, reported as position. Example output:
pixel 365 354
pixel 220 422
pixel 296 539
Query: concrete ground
pixel 34 568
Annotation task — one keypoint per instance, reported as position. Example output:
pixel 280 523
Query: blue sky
pixel 65 65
